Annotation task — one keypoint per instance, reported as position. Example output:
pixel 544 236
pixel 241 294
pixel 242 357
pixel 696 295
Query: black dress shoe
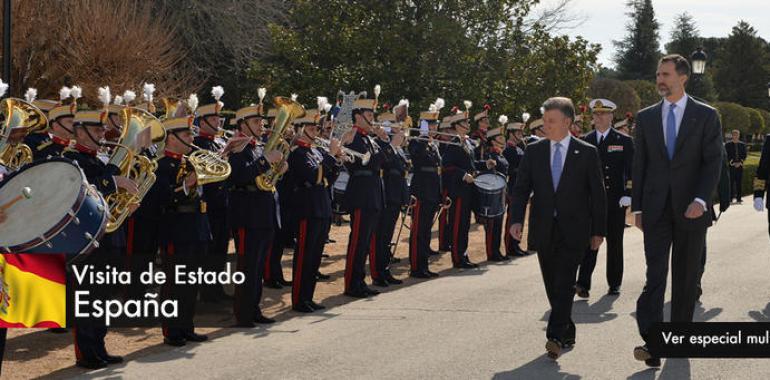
pixel 496 258
pixel 273 284
pixel 193 337
pixel 419 275
pixel 111 359
pixel 433 253
pixel 370 292
pixel 642 353
pixel 432 274
pixel 553 348
pixel 581 291
pixel 395 260
pixel 463 265
pixel 473 265
pixel 380 282
pixel 245 325
pixel 331 241
pixel 284 282
pixel 392 280
pixel 303 308
pixel 93 363
pixel 322 276
pixel 614 291
pixel 176 342
pixel 517 251
pixel 325 255
pixel 262 320
pixel 356 294
pixel 507 258
pixel 316 306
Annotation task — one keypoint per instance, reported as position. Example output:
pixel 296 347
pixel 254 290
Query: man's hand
pixel 468 178
pixel 190 180
pixel 347 137
pixel 694 211
pixel 596 242
pixel 491 164
pixel 625 201
pixel 284 168
pixel 759 204
pixel 515 231
pixel 334 147
pixel 273 156
pixel 380 132
pixel 126 184
pixel 638 221
pixel 398 139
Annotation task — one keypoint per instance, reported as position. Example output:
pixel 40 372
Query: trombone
pixel 350 153
pixel 428 139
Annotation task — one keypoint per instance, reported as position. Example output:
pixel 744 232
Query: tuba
pixel 288 110
pixel 140 130
pixel 18 113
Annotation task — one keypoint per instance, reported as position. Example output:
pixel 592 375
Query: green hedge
pixel 749 171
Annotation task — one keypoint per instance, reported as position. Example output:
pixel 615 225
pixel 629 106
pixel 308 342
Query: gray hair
pixel 562 104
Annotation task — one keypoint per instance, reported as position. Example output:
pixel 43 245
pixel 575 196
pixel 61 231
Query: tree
pixel 458 50
pixel 734 116
pixel 616 91
pixel 743 68
pixel 685 39
pixel 94 43
pixel 638 53
pixel 646 90
pixel 756 121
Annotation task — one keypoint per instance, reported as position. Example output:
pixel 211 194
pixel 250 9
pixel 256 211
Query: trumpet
pixel 350 153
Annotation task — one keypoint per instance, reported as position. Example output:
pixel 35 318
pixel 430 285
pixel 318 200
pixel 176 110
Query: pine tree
pixel 743 69
pixel 638 53
pixel 685 39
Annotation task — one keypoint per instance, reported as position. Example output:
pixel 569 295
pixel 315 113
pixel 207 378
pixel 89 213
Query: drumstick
pixel 26 193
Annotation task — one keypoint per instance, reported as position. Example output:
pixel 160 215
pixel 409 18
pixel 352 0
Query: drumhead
pixel 490 181
pixel 342 181
pixel 55 187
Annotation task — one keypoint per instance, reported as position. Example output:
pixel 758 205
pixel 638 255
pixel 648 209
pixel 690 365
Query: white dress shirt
pixel 678 114
pixel 602 136
pixel 564 147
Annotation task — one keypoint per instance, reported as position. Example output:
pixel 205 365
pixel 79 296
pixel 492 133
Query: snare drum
pixel 63 213
pixel 490 194
pixel 338 193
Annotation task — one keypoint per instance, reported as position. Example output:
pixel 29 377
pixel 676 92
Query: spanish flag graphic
pixel 32 290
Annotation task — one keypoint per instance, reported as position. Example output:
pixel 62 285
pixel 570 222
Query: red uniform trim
pixel 489 224
pixel 297 275
pixel 458 203
pixel 415 233
pixel 373 257
pixel 130 237
pixel 352 245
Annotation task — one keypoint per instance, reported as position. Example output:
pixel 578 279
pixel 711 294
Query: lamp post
pixel 698 60
pixel 768 89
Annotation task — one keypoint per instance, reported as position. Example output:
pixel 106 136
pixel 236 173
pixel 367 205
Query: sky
pixel 605 20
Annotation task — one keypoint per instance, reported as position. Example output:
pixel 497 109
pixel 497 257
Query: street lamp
pixel 698 59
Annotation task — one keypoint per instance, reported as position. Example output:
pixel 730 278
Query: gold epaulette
pixel 759 184
pixel 320 176
pixel 44 145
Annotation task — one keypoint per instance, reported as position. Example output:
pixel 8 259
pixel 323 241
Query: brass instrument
pixel 18 113
pixel 140 130
pixel 350 153
pixel 209 167
pixel 428 139
pixel 288 110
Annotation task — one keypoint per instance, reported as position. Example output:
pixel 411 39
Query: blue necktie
pixel 556 166
pixel 671 131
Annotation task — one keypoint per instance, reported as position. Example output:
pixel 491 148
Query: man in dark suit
pixel 567 216
pixel 616 151
pixel 676 170
pixel 736 154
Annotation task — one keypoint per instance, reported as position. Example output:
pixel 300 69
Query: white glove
pixel 759 204
pixel 625 201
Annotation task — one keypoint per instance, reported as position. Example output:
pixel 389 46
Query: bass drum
pixel 51 208
pixel 338 193
pixel 490 195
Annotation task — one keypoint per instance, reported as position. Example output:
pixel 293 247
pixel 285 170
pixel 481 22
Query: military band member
pixel 457 175
pixel 761 179
pixel 480 134
pixel 364 196
pixel 310 173
pixel 736 154
pixel 616 152
pixel 394 172
pixel 52 141
pixel 90 351
pixel 184 227
pixel 426 189
pixel 252 212
pixel 513 153
pixel 215 194
pixel 494 161
pixel 536 131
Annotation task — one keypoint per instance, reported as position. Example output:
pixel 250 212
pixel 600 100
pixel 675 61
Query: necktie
pixel 556 165
pixel 601 139
pixel 671 131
